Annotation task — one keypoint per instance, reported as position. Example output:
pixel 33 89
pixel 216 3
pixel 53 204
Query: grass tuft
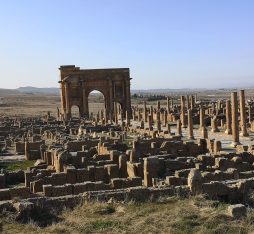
pixel 17 165
pixel 102 224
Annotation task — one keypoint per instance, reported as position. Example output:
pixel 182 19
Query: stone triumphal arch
pixel 76 84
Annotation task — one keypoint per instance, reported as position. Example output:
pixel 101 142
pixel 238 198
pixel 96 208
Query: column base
pixel 201 128
pixel 234 144
pixel 228 132
pixel 215 130
pixel 244 134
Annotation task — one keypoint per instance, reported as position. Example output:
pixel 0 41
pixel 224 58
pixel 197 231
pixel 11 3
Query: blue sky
pixel 165 43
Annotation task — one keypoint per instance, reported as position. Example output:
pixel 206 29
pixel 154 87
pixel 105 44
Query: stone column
pixel 165 118
pixel 145 113
pixel 217 146
pixel 188 102
pixel 204 133
pixel 58 113
pixel 190 124
pixel 139 115
pixel 228 118
pixel 201 117
pixel 172 103
pixel 158 105
pixel 192 102
pixel 182 103
pixel 127 114
pixel 98 117
pixel 151 113
pixel 214 127
pixel 169 128
pixel 27 150
pixel 133 114
pixel 218 107
pixel 250 113
pixel 119 110
pixel 158 114
pixel 168 104
pixel 151 168
pixel 235 124
pixel 178 127
pixel 243 114
pixel 183 119
pixel 142 124
pixel 196 98
pixel 101 115
pixel 222 123
pixel 150 125
pixel 183 111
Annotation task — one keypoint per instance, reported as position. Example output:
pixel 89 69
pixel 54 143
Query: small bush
pixel 109 209
pixel 102 224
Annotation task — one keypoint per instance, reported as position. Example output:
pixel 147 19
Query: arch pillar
pixel 85 100
pixel 67 102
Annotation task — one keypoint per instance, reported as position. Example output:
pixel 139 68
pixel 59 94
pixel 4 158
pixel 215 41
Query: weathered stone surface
pixel 195 181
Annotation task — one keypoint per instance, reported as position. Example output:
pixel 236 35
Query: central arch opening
pixel 96 103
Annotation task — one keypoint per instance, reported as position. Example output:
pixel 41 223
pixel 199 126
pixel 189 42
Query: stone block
pixel 5 194
pixel 215 188
pixel 82 175
pixel 119 183
pixel 173 180
pixel 71 177
pixel 2 181
pixel 135 181
pixel 182 173
pixel 112 171
pixel 100 174
pixel 20 192
pixel 48 190
pixel 237 211
pixel 114 156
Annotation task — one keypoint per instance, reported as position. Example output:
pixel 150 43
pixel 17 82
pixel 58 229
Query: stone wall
pixel 15 193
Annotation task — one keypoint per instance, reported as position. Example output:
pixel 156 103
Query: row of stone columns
pixel 231 113
pixel 235 124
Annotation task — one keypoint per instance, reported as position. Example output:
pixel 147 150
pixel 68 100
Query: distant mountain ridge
pixel 56 91
pixel 30 89
pixel 8 92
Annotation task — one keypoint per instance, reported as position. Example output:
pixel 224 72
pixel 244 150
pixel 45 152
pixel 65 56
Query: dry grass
pixel 172 215
pixel 27 105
